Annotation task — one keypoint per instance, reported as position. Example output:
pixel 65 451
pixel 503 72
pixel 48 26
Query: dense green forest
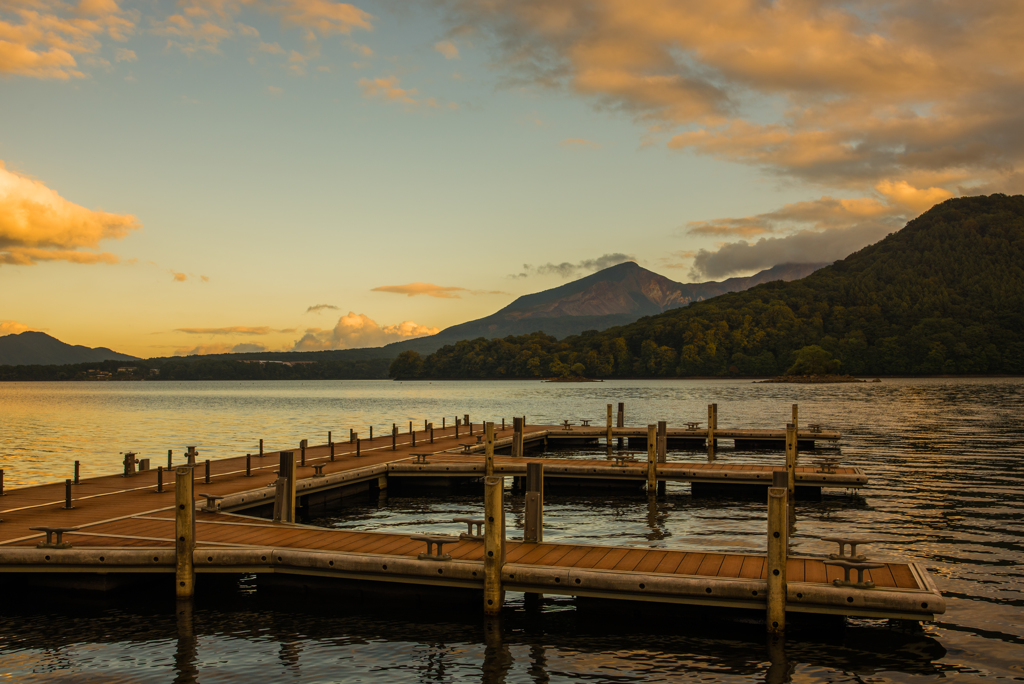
pixel 944 295
pixel 201 369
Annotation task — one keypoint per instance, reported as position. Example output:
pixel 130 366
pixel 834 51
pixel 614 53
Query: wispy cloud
pixel 204 349
pixel 235 330
pixel 13 327
pixel 318 308
pixel 428 289
pixel 578 143
pixel 448 49
pixel 568 270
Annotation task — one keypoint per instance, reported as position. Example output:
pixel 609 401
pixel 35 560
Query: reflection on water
pixel 944 457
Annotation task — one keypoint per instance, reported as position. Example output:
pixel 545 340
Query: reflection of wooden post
pixel 185 532
pixel 652 458
pixel 534 531
pixel 494 544
pixel 488 449
pixel 711 432
pixel 608 438
pixel 621 421
pixel 776 561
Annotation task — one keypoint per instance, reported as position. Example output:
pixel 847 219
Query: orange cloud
pixel 448 49
pixel 178 277
pixel 37 224
pixel 387 89
pixel 232 330
pixel 204 349
pixel 13 328
pixel 429 289
pixel 40 39
pixel 579 142
pixel 359 330
pixel 842 94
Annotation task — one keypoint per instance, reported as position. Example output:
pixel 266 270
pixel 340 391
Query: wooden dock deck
pixel 125 526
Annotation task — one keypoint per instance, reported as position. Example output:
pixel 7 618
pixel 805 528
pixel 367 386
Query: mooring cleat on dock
pixel 470 522
pixel 318 470
pixel 50 531
pixel 421 458
pixel 625 458
pixel 212 502
pixel 432 539
pixel 860 568
pixel 854 557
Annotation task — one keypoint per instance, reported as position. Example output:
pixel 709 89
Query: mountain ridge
pixel 31 348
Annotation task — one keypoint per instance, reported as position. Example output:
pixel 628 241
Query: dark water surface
pixel 947 490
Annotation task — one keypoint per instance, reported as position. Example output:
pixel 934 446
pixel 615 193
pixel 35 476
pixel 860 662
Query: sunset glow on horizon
pixel 246 175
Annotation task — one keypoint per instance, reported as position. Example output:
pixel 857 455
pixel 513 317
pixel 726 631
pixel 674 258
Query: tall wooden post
pixel 652 458
pixel 711 432
pixel 608 437
pixel 170 456
pixel 371 433
pixel 284 499
pixel 621 421
pixel 534 531
pixel 714 411
pixel 456 428
pixel 394 437
pixel 430 426
pixel 488 449
pixel 261 448
pixel 332 451
pixel 517 436
pixel 776 561
pixel 494 544
pixel 791 461
pixel 184 532
pixel 796 416
pixel 662 450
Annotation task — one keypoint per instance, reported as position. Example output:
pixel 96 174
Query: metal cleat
pixel 421 458
pixel 470 522
pixel 860 568
pixel 466 446
pixel 432 539
pixel 843 541
pixel 826 464
pixel 50 531
pixel 624 459
pixel 318 470
pixel 212 502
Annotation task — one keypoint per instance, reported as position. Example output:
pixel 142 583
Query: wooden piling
pixel 261 448
pixel 534 529
pixel 430 426
pixel 652 459
pixel 413 435
pixel 78 470
pixel 67 496
pixel 359 444
pixel 488 449
pixel 248 465
pixel 662 451
pixel 608 437
pixel 494 544
pixel 169 457
pixel 185 532
pixel 517 436
pixel 796 416
pixel 776 559
pixel 456 428
pixel 206 476
pixel 791 461
pixel 284 497
pixel 159 479
pixel 371 433
pixel 621 421
pixel 394 437
pixel 351 436
pixel 332 451
pixel 302 452
pixel 329 440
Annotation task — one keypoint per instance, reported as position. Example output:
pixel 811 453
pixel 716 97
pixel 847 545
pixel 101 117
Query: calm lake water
pixel 947 490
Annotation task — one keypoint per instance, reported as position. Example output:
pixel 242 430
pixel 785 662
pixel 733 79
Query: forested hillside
pixel 943 295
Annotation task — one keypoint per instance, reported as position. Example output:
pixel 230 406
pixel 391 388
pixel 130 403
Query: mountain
pixel 36 348
pixel 944 295
pixel 614 296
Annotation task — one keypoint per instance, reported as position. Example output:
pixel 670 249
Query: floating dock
pixel 120 525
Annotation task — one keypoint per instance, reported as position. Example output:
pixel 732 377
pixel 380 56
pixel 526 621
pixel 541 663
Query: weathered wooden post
pixel 78 470
pixel 488 449
pixel 494 544
pixel 261 447
pixel 329 440
pixel 711 432
pixel 621 421
pixel 410 426
pixel 776 561
pixel 170 453
pixel 351 436
pixel 444 423
pixel 796 416
pixel 371 433
pixel 517 434
pixel 608 437
pixel 284 496
pixel 662 451
pixel 359 445
pixel 67 496
pixel 652 459
pixel 714 410
pixel 465 421
pixel 412 433
pixel 791 462
pixel 534 531
pixel 332 451
pixel 185 532
pixel 430 427
pixel 206 475
pixel 190 454
pixel 159 479
pixel 302 452
pixel 456 428
pixel 394 437
pixel 248 465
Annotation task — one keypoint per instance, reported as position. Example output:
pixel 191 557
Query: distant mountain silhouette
pixel 614 296
pixel 36 348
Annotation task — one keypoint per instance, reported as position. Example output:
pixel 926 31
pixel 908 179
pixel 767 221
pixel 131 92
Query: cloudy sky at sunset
pixel 202 176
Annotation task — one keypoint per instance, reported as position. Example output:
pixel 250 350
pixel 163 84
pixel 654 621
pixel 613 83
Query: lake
pixel 944 457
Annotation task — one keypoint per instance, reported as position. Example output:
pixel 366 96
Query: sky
pixel 189 176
